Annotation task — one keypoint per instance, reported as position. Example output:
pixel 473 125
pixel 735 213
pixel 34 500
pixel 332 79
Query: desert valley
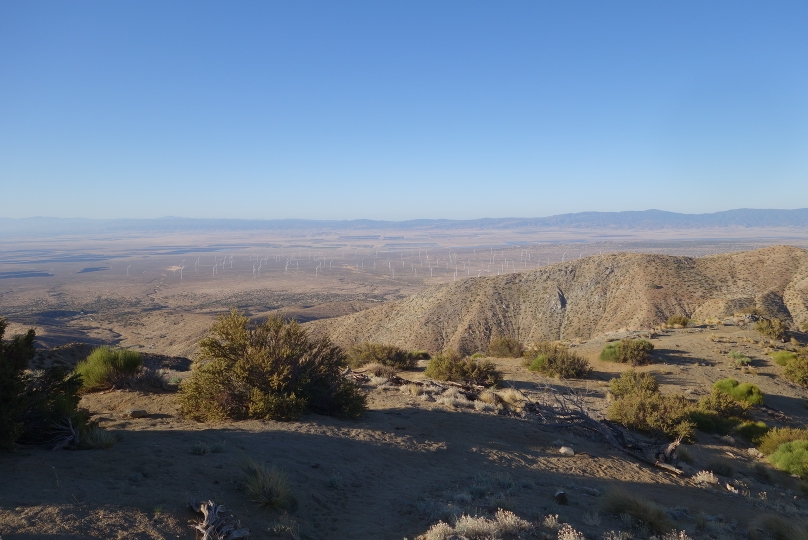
pixel 550 447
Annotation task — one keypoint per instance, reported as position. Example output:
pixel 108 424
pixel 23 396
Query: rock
pixel 755 453
pixel 136 413
pixel 560 497
pixel 566 451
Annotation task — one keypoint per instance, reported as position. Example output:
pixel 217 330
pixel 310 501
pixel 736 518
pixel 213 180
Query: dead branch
pixel 214 526
pixel 65 435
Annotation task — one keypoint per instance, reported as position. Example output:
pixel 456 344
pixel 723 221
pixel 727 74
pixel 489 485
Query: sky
pixel 400 109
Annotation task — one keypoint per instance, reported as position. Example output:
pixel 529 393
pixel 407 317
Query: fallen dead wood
pixel 557 409
pixel 215 526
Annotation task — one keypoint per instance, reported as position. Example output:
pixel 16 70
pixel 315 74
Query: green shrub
pixel 752 431
pixel 776 527
pixel 449 366
pixel 792 457
pixel 386 355
pixel 505 347
pixel 772 328
pixel 107 367
pixel 631 381
pixel 781 358
pixel 678 320
pixel 777 436
pixel 746 392
pixel 652 412
pixel 636 352
pixel 740 358
pixel 33 405
pixel 557 360
pixel 718 413
pixel 804 326
pixel 796 370
pixel 269 371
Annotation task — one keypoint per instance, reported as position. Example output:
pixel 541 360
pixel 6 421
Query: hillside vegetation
pixel 585 298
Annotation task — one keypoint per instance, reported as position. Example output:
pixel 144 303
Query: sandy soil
pixel 392 473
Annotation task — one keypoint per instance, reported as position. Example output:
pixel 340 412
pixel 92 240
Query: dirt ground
pixel 408 463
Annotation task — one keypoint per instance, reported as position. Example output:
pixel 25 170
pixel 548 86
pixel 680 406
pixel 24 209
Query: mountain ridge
pixel 641 220
pixel 583 299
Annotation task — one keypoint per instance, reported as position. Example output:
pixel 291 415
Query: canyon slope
pixel 584 298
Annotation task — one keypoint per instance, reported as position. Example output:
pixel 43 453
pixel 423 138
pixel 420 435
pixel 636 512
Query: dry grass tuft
pixel 268 487
pixel 774 527
pixel 97 438
pixel 619 502
pixel 705 478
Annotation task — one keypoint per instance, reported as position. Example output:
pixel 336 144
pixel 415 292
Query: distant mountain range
pixel 636 220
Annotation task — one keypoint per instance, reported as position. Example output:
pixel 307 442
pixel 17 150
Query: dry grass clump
pixel 743 392
pixel 636 352
pixel 556 360
pixel 386 355
pixel 107 367
pixel 504 523
pixel 449 366
pixel 705 478
pixel 505 347
pixel 620 502
pixel 96 438
pixel 268 487
pixel 775 527
pixel 269 371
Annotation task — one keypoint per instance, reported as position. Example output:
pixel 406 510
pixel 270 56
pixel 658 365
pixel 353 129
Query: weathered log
pixel 214 526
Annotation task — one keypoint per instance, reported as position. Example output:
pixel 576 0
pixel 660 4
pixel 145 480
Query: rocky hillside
pixel 584 298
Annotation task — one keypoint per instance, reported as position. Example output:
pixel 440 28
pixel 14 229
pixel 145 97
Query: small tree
pixel 31 405
pixel 270 371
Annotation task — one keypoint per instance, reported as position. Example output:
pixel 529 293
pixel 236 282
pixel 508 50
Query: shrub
pixel 386 355
pixel 752 431
pixel 558 361
pixel 777 436
pixel 505 347
pixel 636 352
pixel 449 366
pixel 792 457
pixel 740 358
pixel 269 371
pixel 33 404
pixel 772 328
pixel 718 412
pixel 107 367
pixel 97 438
pixel 654 413
pixel 796 370
pixel 380 370
pixel 268 487
pixel 630 382
pixel 678 320
pixel 619 502
pixel 781 358
pixel 745 392
pixel 804 326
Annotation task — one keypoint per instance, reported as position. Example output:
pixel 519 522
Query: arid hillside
pixel 584 298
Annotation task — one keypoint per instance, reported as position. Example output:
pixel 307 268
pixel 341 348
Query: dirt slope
pixel 584 298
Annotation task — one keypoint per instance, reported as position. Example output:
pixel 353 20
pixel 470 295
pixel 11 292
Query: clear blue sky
pixel 400 109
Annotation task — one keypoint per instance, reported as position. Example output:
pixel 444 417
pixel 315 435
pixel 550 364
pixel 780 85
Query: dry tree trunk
pixel 213 526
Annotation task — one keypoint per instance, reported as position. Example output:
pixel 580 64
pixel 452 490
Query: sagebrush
pixel 772 328
pixel 746 392
pixel 636 352
pixel 450 366
pixel 556 360
pixel 505 347
pixel 386 355
pixel 269 371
